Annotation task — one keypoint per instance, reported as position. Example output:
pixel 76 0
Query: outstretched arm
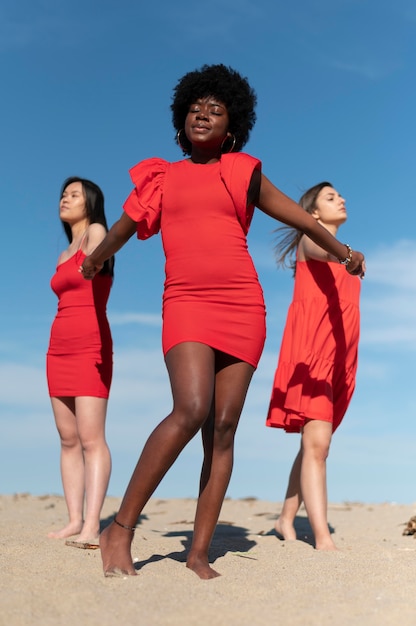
pixel 276 204
pixel 116 237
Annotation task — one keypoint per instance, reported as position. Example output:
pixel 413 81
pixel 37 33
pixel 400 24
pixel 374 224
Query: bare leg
pixel 91 415
pixel 316 439
pixel 191 371
pixel 284 524
pixel 232 381
pixel 72 466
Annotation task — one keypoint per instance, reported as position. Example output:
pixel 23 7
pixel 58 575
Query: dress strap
pixel 84 234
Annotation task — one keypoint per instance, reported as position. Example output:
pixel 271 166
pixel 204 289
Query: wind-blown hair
pixel 227 86
pixel 287 244
pixel 94 206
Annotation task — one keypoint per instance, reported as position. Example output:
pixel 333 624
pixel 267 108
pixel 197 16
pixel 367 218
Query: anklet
pixel 132 528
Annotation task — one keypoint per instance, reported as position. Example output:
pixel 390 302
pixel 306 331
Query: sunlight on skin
pixel 68 531
pixel 115 544
pixel 288 532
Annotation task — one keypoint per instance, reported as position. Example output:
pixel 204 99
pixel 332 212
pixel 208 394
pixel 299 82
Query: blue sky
pixel 86 90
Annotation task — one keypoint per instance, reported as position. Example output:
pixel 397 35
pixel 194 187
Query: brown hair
pixel 288 241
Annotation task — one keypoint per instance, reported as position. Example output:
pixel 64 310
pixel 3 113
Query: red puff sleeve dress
pixel 79 360
pixel 315 376
pixel 212 293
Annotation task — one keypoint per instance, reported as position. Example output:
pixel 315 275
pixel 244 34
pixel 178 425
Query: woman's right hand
pixel 89 269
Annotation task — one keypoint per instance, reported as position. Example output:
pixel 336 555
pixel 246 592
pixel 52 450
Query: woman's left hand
pixel 356 266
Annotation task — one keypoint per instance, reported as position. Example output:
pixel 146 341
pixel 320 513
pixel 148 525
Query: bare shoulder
pixel 309 250
pixel 96 229
pixel 94 236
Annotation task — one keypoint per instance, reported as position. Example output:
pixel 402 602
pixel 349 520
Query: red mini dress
pixel 79 360
pixel 315 376
pixel 212 293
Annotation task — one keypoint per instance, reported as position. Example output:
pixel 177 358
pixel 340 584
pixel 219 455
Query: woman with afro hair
pixel 213 309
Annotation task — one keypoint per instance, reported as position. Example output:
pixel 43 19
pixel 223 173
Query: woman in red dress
pixel 315 377
pixel 213 309
pixel 79 363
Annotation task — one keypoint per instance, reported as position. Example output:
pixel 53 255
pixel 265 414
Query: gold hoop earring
pixel 232 143
pixel 178 140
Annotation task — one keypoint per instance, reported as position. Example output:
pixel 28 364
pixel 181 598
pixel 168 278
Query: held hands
pixel 356 264
pixel 89 269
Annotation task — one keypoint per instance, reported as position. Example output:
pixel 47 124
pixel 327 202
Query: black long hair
pixel 94 207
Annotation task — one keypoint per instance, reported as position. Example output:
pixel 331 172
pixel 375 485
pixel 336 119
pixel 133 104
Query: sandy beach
pixel 264 580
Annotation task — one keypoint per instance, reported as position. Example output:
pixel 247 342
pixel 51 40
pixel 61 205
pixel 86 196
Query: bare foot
pixel 325 544
pixel 73 528
pixel 89 534
pixel 115 544
pixel 285 529
pixel 93 540
pixel 201 567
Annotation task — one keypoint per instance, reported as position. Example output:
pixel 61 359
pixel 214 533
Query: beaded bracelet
pixel 347 259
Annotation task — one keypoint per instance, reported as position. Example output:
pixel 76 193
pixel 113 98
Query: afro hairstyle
pixel 227 86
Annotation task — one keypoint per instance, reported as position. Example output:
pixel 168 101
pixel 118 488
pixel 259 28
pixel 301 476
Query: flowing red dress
pixel 80 355
pixel 315 376
pixel 212 293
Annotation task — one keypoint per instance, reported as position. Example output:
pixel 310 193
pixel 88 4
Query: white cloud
pixel 145 319
pixel 372 69
pixel 22 387
pixel 394 265
pixel 388 297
